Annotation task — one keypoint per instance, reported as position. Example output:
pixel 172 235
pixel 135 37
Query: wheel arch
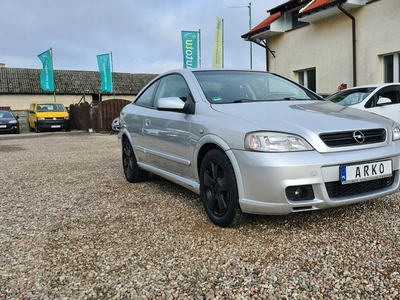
pixel 214 142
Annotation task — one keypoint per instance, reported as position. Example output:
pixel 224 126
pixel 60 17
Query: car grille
pixel 337 189
pixel 342 139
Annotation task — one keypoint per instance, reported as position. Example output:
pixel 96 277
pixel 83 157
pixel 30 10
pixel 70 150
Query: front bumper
pixel 9 128
pixel 263 179
pixel 53 124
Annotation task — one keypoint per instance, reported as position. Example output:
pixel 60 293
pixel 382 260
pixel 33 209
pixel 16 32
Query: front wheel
pixel 218 190
pixel 131 169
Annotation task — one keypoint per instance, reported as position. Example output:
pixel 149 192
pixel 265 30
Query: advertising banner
pixel 190 49
pixel 104 63
pixel 47 76
pixel 218 51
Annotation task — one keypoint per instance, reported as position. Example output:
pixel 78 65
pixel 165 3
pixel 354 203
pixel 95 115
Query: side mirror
pixel 383 101
pixel 31 112
pixel 170 103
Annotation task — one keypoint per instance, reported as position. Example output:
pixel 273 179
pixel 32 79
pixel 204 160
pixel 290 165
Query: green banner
pixel 47 76
pixel 104 62
pixel 190 49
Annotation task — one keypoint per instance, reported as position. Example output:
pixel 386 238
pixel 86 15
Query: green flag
pixel 104 62
pixel 47 76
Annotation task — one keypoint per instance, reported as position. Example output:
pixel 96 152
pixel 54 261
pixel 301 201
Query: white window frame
pixel 305 76
pixel 396 63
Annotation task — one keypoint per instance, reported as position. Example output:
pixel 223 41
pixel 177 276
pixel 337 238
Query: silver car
pixel 252 142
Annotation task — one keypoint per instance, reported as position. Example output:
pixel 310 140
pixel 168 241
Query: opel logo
pixel 359 137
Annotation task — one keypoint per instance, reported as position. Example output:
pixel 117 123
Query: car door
pixel 167 133
pixel 133 119
pixel 390 110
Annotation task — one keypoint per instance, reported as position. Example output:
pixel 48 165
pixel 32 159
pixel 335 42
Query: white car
pixel 382 99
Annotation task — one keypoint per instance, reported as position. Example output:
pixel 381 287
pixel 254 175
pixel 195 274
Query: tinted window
pixel 350 97
pixel 172 86
pixel 231 86
pixel 146 97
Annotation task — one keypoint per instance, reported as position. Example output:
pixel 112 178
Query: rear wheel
pixel 129 163
pixel 218 190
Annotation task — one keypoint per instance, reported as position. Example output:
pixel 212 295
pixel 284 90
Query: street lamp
pixel 251 43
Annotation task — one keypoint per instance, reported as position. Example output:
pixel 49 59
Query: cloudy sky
pixel 144 36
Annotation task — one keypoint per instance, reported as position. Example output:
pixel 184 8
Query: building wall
pixel 22 101
pixel 326 45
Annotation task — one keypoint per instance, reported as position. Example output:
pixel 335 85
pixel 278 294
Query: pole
pixel 251 43
pixel 199 48
pixel 112 71
pixel 52 67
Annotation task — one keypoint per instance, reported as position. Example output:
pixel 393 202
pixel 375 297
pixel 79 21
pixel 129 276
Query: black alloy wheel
pixel 129 163
pixel 218 190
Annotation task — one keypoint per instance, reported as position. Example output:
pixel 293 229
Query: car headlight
pixel 396 132
pixel 40 119
pixel 13 122
pixel 275 142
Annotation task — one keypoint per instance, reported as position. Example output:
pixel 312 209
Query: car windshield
pixel 245 86
pixel 50 107
pixel 6 114
pixel 350 97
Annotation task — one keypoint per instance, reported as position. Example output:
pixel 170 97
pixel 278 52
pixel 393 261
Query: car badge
pixel 359 137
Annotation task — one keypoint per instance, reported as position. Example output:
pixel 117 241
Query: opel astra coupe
pixel 253 142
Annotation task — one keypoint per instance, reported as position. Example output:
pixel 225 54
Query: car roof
pixel 373 85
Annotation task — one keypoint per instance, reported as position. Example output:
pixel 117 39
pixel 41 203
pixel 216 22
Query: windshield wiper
pixel 242 100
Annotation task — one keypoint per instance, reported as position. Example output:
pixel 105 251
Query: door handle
pixel 147 122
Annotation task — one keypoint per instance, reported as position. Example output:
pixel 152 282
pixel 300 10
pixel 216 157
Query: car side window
pixel 172 86
pixel 146 97
pixel 390 92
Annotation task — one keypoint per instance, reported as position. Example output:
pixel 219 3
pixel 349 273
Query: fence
pixel 96 116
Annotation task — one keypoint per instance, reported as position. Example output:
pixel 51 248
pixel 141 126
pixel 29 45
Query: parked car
pixel 382 99
pixel 252 142
pixel 9 123
pixel 115 126
pixel 45 116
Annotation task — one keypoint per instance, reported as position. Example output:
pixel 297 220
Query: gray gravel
pixel 73 228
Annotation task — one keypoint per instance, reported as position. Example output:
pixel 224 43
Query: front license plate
pixel 3 126
pixel 55 126
pixel 365 172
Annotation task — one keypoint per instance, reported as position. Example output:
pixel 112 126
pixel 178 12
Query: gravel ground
pixel 73 228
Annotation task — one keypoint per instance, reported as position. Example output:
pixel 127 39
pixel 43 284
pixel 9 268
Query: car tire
pixel 129 163
pixel 30 128
pixel 218 190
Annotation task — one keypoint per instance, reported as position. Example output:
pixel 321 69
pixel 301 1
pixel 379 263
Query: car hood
pixel 303 117
pixel 6 120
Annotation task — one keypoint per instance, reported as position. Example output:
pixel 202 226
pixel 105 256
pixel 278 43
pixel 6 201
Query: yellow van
pixel 48 116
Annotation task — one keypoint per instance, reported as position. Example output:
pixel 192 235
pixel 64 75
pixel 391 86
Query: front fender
pixel 213 141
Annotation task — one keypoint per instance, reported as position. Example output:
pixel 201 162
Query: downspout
pixel 353 25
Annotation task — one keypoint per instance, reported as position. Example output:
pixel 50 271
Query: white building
pixel 324 43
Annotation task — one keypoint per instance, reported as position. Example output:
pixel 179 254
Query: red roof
pixel 315 4
pixel 264 25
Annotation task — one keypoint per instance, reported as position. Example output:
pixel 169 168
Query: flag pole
pixel 112 71
pixel 52 67
pixel 200 48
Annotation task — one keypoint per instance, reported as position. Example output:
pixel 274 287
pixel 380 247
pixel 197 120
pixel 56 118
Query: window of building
pixel 308 79
pixel 391 68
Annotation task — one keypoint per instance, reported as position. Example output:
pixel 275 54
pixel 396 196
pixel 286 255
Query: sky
pixel 144 36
